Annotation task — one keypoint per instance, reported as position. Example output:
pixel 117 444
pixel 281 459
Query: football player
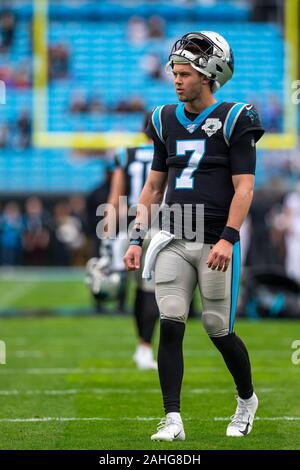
pixel 131 170
pixel 205 151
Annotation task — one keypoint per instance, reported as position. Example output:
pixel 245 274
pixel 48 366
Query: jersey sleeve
pixel 121 158
pixel 154 131
pixel 242 119
pixel 242 155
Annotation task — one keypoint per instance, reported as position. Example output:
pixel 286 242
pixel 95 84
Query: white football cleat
pixel 169 429
pixel 242 421
pixel 143 357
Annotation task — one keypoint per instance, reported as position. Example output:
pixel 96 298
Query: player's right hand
pixel 132 258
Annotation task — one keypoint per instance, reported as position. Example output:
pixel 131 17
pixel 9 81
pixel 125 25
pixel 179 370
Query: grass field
pixel 70 383
pixel 43 289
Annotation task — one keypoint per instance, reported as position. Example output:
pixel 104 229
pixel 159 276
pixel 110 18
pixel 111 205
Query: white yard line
pixel 60 418
pixel 96 391
pixel 138 418
pixel 100 391
pixel 22 354
pixel 112 370
pixel 226 390
pixel 125 354
pixel 270 418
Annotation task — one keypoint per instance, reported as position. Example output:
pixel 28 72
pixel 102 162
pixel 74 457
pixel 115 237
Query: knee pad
pixel 173 294
pixel 173 307
pixel 215 323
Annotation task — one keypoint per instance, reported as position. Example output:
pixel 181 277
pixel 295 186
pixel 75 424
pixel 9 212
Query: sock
pixel 236 357
pixel 170 363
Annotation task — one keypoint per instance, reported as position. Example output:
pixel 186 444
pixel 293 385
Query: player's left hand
pixel 220 256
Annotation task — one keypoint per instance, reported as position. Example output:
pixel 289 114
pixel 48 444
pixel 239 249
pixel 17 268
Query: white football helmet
pixel 101 279
pixel 206 51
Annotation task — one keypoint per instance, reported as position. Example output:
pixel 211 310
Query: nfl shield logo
pixel 211 126
pixel 191 128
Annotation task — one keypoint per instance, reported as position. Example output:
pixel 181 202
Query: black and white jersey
pixel 136 164
pixel 200 156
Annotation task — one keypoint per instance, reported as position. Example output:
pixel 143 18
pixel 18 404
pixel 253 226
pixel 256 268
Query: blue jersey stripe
pixel 156 120
pixel 235 280
pixel 231 120
pixel 122 157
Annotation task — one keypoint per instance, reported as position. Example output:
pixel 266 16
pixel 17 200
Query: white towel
pixel 158 242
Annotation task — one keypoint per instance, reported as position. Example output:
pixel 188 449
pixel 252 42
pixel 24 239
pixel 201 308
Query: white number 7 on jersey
pixel 197 147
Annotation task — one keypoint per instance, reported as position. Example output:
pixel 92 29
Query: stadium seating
pixel 105 65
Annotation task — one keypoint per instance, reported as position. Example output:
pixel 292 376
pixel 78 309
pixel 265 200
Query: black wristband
pixel 230 234
pixel 137 236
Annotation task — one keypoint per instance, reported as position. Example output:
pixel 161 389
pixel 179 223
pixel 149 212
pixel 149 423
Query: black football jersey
pixel 199 158
pixel 136 164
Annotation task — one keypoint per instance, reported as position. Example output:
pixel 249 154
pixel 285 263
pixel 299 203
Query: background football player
pixel 205 151
pixel 132 168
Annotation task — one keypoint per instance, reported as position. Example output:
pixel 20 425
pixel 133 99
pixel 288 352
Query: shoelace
pixel 239 416
pixel 164 422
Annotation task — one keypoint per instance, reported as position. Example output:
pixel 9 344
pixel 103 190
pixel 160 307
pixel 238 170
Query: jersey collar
pixel 189 125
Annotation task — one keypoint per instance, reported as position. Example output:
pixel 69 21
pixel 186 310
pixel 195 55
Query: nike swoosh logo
pixel 176 435
pixel 245 431
pixel 249 107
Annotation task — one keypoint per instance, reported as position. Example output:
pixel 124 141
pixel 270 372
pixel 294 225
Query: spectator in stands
pixel 135 105
pixel 22 137
pixel 36 233
pixel 58 61
pixel 21 77
pixel 261 250
pixel 11 228
pixel 156 27
pixel 7 29
pixel 7 75
pixel 276 220
pixel 79 103
pixel 123 107
pixel 152 66
pixel 66 235
pixel 272 114
pixel 97 197
pixel 4 135
pixel 291 224
pixel 96 106
pixel 80 252
pixel 17 76
pixel 78 210
pixel 266 10
pixel 137 31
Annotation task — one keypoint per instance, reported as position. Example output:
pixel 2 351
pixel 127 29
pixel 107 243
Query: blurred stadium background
pixel 77 77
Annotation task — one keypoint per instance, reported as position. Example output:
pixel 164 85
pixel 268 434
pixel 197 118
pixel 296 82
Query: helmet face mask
pixel 207 52
pixel 203 48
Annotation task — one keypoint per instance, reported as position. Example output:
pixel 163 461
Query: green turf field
pixel 70 383
pixel 43 289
